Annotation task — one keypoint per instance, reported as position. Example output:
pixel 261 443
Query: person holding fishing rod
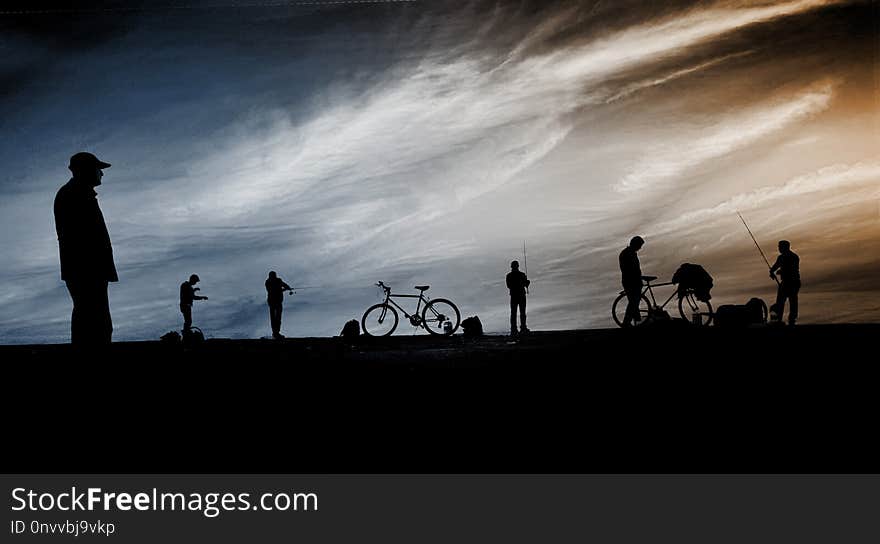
pixel 275 288
pixel 787 266
pixel 518 284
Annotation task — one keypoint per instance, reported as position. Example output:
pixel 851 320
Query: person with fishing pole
pixel 787 267
pixel 518 284
pixel 275 288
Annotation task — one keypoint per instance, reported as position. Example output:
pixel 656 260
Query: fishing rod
pixel 293 290
pixel 757 245
pixel 525 264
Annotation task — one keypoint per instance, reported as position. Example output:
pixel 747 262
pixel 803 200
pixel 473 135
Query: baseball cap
pixel 85 159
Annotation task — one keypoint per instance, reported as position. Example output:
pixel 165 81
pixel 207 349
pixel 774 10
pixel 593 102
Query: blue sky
pixel 424 142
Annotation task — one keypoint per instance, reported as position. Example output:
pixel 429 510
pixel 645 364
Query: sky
pixel 424 142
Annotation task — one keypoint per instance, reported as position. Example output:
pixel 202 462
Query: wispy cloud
pixel 840 178
pixel 677 74
pixel 670 160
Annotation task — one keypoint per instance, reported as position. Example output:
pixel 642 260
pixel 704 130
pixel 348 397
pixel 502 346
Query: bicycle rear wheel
pixel 441 317
pixel 689 306
pixel 618 309
pixel 379 320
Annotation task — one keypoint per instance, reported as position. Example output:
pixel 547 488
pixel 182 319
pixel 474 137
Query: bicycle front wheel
pixel 379 320
pixel 441 317
pixel 618 309
pixel 689 306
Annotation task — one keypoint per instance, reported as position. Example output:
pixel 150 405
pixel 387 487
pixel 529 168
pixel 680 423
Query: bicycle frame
pixel 388 296
pixel 648 290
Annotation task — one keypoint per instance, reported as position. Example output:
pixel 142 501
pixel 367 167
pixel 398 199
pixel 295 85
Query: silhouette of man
pixel 187 296
pixel 517 283
pixel 631 278
pixel 787 266
pixel 275 288
pixel 85 251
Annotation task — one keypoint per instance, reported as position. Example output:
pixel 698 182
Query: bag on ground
pixel 754 312
pixel 172 337
pixel 472 327
pixel 351 329
pixel 193 337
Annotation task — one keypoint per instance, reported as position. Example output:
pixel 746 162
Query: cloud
pixel 656 40
pixel 677 74
pixel 840 178
pixel 671 160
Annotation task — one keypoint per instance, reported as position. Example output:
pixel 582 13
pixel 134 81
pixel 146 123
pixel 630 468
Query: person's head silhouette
pixel 784 246
pixel 194 279
pixel 636 242
pixel 272 275
pixel 514 265
pixel 86 168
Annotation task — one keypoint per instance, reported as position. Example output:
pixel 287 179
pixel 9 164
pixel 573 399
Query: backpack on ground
pixel 351 330
pixel 754 312
pixel 472 327
pixel 193 336
pixel 172 337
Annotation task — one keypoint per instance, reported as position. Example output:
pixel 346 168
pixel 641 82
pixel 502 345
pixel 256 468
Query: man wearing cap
pixel 187 296
pixel 85 251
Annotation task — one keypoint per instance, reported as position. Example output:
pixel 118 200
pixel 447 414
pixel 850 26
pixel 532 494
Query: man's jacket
pixel 83 240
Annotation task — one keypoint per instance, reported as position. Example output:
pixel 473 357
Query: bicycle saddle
pixel 649 278
pixel 422 287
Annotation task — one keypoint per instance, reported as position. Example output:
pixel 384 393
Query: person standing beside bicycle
pixel 517 282
pixel 631 278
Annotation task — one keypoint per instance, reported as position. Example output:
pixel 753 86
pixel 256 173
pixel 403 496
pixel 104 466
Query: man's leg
pixel 103 322
pixel 186 310
pixel 76 316
pixel 793 304
pixel 512 316
pixel 275 318
pixel 522 315
pixel 279 311
pixel 780 302
pixel 633 297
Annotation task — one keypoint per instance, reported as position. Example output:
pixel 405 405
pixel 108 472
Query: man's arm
pixel 286 287
pixel 775 267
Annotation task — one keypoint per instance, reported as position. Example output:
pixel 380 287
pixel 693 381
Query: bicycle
pixel 439 317
pixel 688 303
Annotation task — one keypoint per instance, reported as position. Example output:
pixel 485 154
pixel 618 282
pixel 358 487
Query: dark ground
pixel 669 399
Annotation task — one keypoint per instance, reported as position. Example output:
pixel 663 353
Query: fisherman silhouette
pixel 275 288
pixel 787 267
pixel 85 251
pixel 631 279
pixel 517 283
pixel 187 296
